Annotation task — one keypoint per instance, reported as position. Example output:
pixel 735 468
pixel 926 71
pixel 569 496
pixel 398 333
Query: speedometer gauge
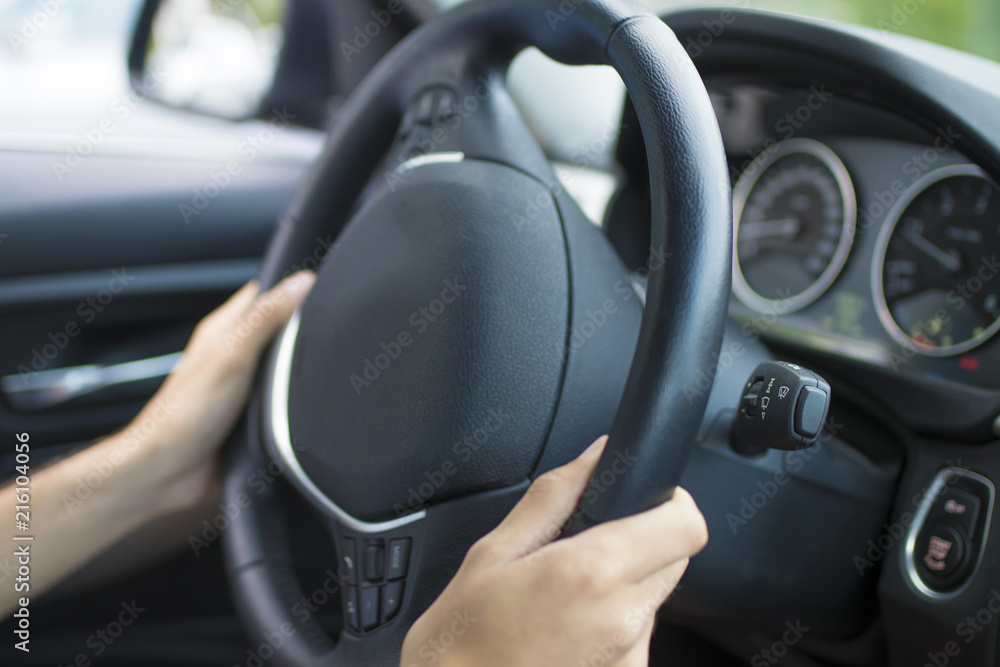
pixel 936 287
pixel 794 214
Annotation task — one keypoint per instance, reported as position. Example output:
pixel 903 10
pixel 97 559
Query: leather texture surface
pixel 688 295
pixel 429 357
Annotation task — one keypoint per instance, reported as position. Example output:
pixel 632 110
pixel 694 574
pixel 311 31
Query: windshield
pixel 966 25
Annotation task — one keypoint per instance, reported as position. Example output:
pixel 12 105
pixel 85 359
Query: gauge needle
pixel 758 230
pixel 943 258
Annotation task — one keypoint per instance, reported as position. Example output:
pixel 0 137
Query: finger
pixel 241 299
pixel 269 311
pixel 637 546
pixel 540 515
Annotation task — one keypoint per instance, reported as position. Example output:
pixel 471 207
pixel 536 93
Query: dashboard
pixel 859 235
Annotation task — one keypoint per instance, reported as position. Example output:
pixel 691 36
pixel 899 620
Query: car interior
pixel 662 222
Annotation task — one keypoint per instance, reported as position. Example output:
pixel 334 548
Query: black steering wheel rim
pixel 686 303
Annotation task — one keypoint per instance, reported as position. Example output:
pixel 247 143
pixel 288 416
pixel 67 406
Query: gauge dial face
pixel 936 286
pixel 794 224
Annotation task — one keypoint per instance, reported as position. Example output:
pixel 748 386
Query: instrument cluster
pixel 876 248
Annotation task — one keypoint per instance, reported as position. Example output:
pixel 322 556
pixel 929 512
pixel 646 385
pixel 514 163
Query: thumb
pixel 539 516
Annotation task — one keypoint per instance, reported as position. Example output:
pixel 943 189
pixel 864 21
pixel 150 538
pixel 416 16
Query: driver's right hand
pixel 522 599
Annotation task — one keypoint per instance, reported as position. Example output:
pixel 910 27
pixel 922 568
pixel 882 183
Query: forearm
pixel 83 504
pixel 163 462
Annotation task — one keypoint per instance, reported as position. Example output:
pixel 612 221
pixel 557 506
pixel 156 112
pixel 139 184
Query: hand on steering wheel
pixel 521 599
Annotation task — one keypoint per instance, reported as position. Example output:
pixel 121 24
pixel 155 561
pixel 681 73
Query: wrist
pixel 143 455
pixel 425 646
pixel 156 436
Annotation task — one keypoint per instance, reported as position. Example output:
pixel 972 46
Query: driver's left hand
pixel 185 423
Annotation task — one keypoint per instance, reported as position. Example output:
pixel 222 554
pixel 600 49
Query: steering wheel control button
pixel 374 562
pixel 445 109
pixel 348 561
pixel 377 568
pixel 424 109
pixel 432 108
pixel 392 598
pixel 783 406
pixel 369 608
pixel 751 399
pixel 399 558
pixel 943 551
pixel 810 411
pixel 352 608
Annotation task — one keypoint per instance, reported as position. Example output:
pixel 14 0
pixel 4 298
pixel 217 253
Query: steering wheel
pixel 469 327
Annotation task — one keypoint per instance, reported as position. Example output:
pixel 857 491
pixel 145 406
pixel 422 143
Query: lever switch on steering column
pixel 783 406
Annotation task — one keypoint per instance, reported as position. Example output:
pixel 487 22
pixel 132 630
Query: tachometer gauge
pixel 936 286
pixel 794 213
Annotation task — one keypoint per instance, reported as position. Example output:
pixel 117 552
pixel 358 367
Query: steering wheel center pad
pixel 434 322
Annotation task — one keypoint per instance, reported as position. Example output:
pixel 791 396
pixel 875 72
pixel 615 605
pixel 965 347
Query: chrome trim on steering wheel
pixel 278 430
